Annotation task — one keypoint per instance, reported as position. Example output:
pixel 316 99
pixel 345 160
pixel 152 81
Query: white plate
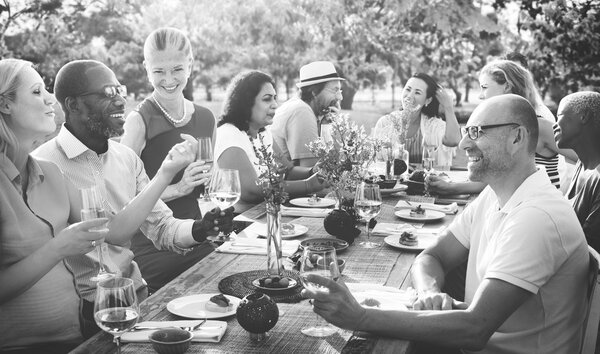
pixel 397 188
pixel 305 202
pixel 430 215
pixel 298 231
pixel 293 283
pixel 193 306
pixel 424 241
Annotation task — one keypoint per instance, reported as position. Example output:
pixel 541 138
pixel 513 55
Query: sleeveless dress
pixel 160 267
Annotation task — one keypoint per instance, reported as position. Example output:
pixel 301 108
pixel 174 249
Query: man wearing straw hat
pixel 298 121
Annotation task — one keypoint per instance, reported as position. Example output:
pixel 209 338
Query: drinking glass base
pixel 318 331
pixel 369 244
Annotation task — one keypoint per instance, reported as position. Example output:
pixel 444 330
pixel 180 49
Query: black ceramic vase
pixel 257 313
pixel 341 224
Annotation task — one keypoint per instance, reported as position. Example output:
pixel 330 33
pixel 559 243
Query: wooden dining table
pixel 383 265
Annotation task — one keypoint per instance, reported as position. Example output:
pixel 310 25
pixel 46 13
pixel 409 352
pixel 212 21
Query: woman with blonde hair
pixel 152 129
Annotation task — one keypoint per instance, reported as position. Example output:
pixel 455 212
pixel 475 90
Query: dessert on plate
pixel 407 238
pixel 417 212
pixel 219 303
pixel 287 229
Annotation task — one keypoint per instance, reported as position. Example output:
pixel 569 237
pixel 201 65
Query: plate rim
pixel 307 205
pixel 328 239
pixel 275 289
pixel 284 237
pixel 412 218
pixel 388 239
pixel 232 298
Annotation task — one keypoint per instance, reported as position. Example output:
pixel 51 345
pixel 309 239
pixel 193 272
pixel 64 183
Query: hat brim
pixel 314 82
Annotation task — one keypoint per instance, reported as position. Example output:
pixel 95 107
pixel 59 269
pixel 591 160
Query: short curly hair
pixel 585 104
pixel 240 96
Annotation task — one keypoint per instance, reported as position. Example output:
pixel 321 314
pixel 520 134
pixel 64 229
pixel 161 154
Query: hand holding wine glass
pixel 93 208
pixel 224 190
pixel 205 155
pixel 367 203
pixel 322 261
pixel 116 308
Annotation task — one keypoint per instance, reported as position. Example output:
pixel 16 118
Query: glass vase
pixel 274 251
pixel 400 162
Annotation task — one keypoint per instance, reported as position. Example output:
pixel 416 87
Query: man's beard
pixel 97 125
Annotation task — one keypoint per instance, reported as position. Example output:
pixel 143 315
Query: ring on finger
pixel 94 243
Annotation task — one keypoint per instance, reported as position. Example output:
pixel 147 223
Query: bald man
pixel 579 129
pixel 527 256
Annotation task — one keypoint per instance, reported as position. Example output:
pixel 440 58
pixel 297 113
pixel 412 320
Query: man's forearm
pixel 427 274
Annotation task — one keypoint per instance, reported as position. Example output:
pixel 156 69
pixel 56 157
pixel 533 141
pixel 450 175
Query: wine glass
pixel 319 260
pixel 428 157
pixel 92 208
pixel 116 308
pixel 367 202
pixel 205 154
pixel 224 191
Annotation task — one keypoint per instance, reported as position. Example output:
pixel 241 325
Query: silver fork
pixel 193 328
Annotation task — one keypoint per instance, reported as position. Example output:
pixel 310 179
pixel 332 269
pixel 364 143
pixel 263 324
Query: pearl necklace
pixel 171 119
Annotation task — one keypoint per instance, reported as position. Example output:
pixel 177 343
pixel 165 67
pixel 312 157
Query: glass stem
pixel 100 258
pixel 117 341
pixel 368 230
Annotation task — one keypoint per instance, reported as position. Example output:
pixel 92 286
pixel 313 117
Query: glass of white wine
pixel 92 208
pixel 205 154
pixel 224 191
pixel 116 308
pixel 367 202
pixel 319 260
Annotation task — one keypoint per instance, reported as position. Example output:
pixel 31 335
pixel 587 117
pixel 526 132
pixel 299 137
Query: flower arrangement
pixel 272 173
pixel 343 162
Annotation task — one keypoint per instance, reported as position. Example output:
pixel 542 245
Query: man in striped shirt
pixel 92 100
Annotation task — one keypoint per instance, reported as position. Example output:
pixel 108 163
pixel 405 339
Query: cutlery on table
pixel 187 328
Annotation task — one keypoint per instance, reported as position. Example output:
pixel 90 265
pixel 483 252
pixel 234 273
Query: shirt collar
pixel 531 186
pixel 72 146
pixel 8 167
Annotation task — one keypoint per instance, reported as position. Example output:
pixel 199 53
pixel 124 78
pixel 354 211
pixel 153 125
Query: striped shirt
pixel 551 166
pixel 120 175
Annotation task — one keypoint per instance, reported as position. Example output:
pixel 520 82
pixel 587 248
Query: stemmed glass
pixel 428 162
pixel 205 154
pixel 367 202
pixel 224 191
pixel 319 260
pixel 116 308
pixel 92 208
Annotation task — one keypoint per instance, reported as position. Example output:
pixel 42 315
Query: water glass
pixel 367 202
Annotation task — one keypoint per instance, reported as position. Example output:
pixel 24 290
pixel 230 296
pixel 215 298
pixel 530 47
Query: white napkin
pixel 211 331
pixel 448 209
pixel 256 246
pixel 389 298
pixel 308 212
pixel 386 229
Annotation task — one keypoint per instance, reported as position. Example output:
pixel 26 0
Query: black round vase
pixel 257 313
pixel 342 225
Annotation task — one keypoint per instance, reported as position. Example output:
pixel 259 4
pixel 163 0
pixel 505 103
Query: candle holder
pixel 257 313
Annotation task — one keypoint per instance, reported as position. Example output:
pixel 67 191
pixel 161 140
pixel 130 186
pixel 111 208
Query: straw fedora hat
pixel 317 72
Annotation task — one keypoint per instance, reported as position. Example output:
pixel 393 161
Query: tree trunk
pixel 467 88
pixel 207 89
pixel 348 96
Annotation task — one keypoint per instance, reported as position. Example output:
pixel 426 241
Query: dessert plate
pixel 430 215
pixel 423 241
pixel 193 306
pixel 308 202
pixel 338 244
pixel 299 230
pixel 293 283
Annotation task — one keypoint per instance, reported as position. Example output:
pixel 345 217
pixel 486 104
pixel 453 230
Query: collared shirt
pixel 120 175
pixel 533 242
pixel 294 126
pixel 49 309
pixel 584 194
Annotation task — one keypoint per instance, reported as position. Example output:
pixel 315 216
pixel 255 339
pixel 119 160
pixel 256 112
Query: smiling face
pixel 104 115
pixel 490 88
pixel 414 94
pixel 569 126
pixel 264 107
pixel 330 96
pixel 168 71
pixel 31 113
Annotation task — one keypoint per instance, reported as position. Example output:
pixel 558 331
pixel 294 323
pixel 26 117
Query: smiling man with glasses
pixel 527 259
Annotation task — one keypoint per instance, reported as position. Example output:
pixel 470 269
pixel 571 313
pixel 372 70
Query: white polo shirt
pixel 534 242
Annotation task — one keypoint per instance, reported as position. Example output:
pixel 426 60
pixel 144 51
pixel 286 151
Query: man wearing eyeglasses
pixel 93 101
pixel 300 120
pixel 527 256
pixel 579 129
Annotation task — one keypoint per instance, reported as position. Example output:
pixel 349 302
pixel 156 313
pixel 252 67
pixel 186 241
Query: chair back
pixel 592 318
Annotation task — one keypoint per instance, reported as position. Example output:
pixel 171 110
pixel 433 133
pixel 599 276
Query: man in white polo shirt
pixel 297 122
pixel 527 257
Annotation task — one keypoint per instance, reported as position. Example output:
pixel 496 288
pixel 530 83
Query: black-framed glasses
pixel 474 131
pixel 109 91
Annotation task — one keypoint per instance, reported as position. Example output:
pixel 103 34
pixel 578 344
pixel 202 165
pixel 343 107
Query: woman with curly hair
pixel 248 109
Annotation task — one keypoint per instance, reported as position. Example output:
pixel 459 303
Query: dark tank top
pixel 161 135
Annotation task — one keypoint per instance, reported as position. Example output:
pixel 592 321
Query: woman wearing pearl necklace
pixel 152 129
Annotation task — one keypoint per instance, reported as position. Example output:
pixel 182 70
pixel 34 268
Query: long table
pixel 384 265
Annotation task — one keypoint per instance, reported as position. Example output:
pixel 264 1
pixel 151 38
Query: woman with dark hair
pixel 248 109
pixel 418 122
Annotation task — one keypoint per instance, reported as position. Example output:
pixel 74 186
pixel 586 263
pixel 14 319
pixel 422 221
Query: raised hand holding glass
pixel 224 191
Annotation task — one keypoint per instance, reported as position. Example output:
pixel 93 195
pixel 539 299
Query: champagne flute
pixel 205 154
pixel 224 191
pixel 116 308
pixel 92 208
pixel 428 157
pixel 367 202
pixel 319 260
